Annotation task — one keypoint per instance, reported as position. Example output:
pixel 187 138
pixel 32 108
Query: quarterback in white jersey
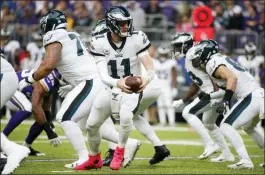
pixel 237 82
pixel 201 104
pixel 166 71
pixel 250 61
pixel 15 153
pixel 119 56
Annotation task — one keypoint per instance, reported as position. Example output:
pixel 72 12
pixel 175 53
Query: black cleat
pixel 161 153
pixel 34 152
pixel 2 164
pixel 108 158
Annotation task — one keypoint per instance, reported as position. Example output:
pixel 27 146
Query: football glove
pixel 223 107
pixel 26 82
pixel 63 90
pixel 178 103
pixel 204 96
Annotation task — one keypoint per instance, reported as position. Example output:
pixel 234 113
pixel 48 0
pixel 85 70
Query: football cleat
pixel 109 157
pixel 161 152
pixel 131 149
pixel 2 164
pixel 74 164
pixel 222 158
pixel 242 164
pixel 34 152
pixel 117 158
pixel 262 165
pixel 209 150
pixel 93 162
pixel 14 159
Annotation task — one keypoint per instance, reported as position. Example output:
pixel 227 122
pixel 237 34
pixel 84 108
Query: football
pixel 134 83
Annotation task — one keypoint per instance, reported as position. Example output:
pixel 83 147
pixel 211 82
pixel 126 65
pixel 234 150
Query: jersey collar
pixel 117 49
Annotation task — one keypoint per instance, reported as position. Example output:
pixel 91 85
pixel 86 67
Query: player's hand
pixel 26 82
pixel 204 96
pixel 175 92
pixel 144 84
pixel 223 107
pixel 121 84
pixel 63 90
pixel 54 139
pixel 177 103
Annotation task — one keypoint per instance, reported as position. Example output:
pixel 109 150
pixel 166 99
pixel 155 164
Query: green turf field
pixel 183 142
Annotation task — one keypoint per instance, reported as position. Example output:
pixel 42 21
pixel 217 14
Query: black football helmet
pixel 202 52
pixel 53 19
pixel 116 17
pixel 100 28
pixel 181 43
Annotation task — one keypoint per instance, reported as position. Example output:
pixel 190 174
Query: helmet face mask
pixel 53 19
pixel 119 21
pixel 181 43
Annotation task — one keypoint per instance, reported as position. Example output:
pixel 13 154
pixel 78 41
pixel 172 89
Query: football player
pixel 21 104
pixel 119 54
pixel 66 52
pixel 182 44
pixel 15 153
pixel 237 83
pixel 166 71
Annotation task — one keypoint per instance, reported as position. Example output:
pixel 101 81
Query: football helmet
pixel 116 19
pixel 163 52
pixel 202 52
pixel 100 28
pixel 52 20
pixel 250 50
pixel 181 43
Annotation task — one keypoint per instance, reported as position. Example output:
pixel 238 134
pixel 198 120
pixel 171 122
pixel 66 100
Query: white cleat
pixel 131 149
pixel 242 164
pixel 262 165
pixel 74 164
pixel 2 155
pixel 209 150
pixel 14 159
pixel 221 158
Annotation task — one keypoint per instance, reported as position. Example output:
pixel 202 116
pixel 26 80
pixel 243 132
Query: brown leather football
pixel 134 83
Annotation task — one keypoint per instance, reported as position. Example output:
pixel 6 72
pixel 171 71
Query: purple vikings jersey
pixel 48 82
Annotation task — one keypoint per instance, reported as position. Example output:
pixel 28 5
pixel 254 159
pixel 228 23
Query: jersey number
pixel 114 71
pixel 195 79
pixel 235 64
pixel 78 44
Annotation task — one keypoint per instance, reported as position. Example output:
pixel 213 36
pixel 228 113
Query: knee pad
pixel 186 112
pixel 90 127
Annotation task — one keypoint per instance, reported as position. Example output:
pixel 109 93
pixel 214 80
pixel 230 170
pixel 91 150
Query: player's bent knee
pixel 210 127
pixel 186 112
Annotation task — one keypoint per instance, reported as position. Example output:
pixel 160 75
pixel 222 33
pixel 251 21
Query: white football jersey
pixel 6 66
pixel 245 81
pixel 76 64
pixel 123 60
pixel 199 77
pixel 36 54
pixel 251 65
pixel 163 70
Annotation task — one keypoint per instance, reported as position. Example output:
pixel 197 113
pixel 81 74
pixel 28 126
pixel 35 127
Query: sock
pixel 75 137
pixel 235 139
pixel 258 137
pixel 171 116
pixel 144 128
pixel 220 140
pixel 7 146
pixel 15 120
pixel 126 125
pixel 26 144
pixel 162 115
pixel 34 132
pixel 199 128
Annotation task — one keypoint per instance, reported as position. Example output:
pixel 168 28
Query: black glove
pixel 204 96
pixel 223 107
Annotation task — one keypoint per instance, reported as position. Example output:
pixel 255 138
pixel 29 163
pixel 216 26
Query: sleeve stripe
pixel 53 42
pixel 144 49
pixel 44 86
pixel 217 68
pixel 96 54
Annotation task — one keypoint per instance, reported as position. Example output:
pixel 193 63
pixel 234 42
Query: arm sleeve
pixel 213 65
pixel 103 73
pixel 96 50
pixel 143 44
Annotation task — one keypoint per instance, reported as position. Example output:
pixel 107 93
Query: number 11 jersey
pixel 122 60
pixel 76 64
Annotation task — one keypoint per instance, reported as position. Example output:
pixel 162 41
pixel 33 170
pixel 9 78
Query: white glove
pixel 178 103
pixel 63 90
pixel 175 92
pixel 55 142
pixel 26 82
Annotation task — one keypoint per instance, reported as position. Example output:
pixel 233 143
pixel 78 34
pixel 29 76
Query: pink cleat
pixel 93 162
pixel 117 158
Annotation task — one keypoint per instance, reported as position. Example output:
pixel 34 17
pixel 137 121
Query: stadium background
pixel 235 23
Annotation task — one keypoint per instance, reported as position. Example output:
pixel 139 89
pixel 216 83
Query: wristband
pixel 228 95
pixel 150 76
pixel 31 79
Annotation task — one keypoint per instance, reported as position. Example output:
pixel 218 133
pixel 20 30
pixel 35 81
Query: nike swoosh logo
pixel 239 164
